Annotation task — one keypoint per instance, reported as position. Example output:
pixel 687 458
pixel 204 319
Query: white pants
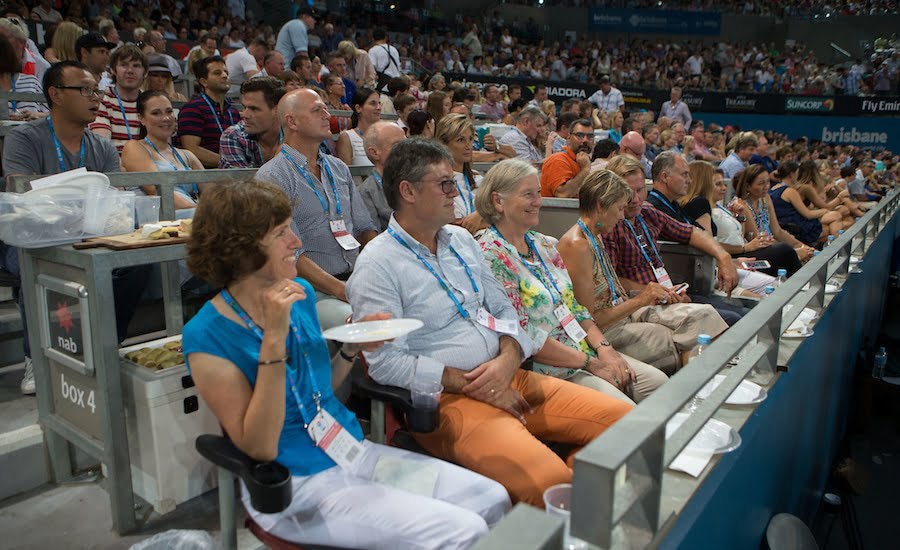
pixel 754 281
pixel 350 510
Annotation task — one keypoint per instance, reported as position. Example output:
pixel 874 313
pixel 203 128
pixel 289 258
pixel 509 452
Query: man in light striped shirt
pixel 492 412
pixel 117 118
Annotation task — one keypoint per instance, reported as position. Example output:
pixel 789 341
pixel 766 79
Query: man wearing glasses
pixel 563 172
pixel 62 142
pixel 492 412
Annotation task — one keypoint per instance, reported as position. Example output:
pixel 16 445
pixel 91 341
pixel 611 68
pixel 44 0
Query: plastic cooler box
pixel 164 415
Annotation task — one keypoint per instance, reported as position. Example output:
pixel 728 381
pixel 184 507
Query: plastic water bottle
pixel 840 232
pixel 880 363
pixel 782 277
pixel 703 341
pixel 769 290
pixel 830 240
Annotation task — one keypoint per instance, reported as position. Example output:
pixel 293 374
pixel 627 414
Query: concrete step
pixel 22 451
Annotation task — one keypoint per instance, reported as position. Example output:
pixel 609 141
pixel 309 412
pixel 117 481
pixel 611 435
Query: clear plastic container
pixel 36 222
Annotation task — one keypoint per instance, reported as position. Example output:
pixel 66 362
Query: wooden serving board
pixel 127 241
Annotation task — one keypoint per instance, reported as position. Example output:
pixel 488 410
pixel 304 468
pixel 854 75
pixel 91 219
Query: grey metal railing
pixel 619 480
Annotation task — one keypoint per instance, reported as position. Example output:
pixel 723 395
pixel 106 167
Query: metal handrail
pixel 618 479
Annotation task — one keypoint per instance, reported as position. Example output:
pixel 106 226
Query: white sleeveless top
pixel 359 151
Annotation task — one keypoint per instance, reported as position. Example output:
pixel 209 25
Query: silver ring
pixel 493 390
pixel 286 289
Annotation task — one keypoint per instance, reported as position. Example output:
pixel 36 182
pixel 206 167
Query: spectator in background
pixel 457 132
pixel 303 66
pixel 273 65
pixel 94 51
pixel 651 141
pixel 678 136
pixel 62 48
pixel 604 151
pixel 158 41
pixel 563 172
pixel 385 58
pixel 17 33
pixel 366 109
pixel 529 131
pixel 293 38
pixel 493 109
pixel 254 140
pixel 404 104
pixel 420 123
pixel 12 79
pixel 761 156
pixel 291 80
pixel 159 79
pixel 744 148
pixel 540 96
pixel 203 119
pixel 359 66
pixel 558 140
pixel 330 38
pixel 699 149
pixel 472 43
pixel 245 62
pixel 334 101
pixel 439 104
pixel 608 98
pixel 378 141
pixel 45 13
pixel 117 119
pixel 515 108
pixel 616 120
pixel 109 33
pixel 632 145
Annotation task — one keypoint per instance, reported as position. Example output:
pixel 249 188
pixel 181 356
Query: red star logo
pixel 64 317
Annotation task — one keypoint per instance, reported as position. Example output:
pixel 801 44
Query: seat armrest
pixel 417 419
pixel 269 483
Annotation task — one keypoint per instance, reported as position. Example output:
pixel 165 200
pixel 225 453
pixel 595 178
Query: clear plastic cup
pixel 146 210
pixel 426 395
pixel 558 502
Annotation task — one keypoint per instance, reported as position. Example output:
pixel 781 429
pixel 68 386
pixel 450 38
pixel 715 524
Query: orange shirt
pixel 557 170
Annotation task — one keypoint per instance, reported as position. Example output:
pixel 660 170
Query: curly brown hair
pixel 228 226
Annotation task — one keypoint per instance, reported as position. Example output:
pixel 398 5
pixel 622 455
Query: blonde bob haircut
pixel 502 178
pixel 601 190
pixel 623 166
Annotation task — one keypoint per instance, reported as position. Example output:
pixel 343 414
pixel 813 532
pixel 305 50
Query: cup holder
pixel 269 484
pixel 422 420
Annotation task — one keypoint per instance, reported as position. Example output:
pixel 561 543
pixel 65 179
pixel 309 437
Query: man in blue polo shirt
pixel 203 119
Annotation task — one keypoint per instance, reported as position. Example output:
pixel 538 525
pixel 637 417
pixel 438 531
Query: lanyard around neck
pixel 305 173
pixel 174 152
pixel 290 369
pixel 662 198
pixel 122 110
pixel 546 270
pixel 215 114
pixel 610 279
pixel 649 237
pixel 467 196
pixel 59 154
pixel 462 311
pixel 377 179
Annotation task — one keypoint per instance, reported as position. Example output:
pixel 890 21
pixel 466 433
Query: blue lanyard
pixel 530 242
pixel 665 201
pixel 440 280
pixel 305 173
pixel 122 110
pixel 174 152
pixel 610 281
pixel 259 151
pixel 470 205
pixel 377 179
pixel 649 238
pixel 59 155
pixel 215 114
pixel 289 369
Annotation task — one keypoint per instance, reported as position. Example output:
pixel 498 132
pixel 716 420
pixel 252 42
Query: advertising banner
pixel 656 21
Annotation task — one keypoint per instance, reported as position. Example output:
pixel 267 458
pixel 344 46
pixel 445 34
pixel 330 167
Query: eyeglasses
pixel 86 91
pixel 448 186
pixel 583 135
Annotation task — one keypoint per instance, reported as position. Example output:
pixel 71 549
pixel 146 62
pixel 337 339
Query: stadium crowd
pixel 423 235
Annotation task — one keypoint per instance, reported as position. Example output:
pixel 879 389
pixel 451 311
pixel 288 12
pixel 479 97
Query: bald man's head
pixel 379 139
pixel 303 115
pixel 632 144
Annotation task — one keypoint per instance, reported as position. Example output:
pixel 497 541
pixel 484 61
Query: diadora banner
pixel 869 132
pixel 709 102
pixel 656 21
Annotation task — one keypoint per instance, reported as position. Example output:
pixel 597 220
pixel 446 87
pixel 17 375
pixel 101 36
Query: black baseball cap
pixel 92 40
pixel 308 10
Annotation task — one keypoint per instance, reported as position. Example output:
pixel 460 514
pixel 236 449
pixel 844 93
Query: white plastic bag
pixel 178 539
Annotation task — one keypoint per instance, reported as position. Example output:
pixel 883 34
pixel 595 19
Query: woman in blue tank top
pixel 257 356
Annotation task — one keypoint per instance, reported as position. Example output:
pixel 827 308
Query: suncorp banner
pixel 869 132
pixel 808 105
pixel 656 21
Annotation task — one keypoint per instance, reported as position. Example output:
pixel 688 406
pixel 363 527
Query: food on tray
pixel 159 358
pixel 166 230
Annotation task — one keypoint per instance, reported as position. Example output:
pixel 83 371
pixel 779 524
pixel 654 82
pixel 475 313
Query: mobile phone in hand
pixel 681 289
pixel 756 265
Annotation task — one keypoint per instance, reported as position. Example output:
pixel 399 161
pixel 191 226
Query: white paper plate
pixel 372 331
pixel 832 289
pixel 715 437
pixel 855 260
pixel 64 191
pixel 805 333
pixel 747 392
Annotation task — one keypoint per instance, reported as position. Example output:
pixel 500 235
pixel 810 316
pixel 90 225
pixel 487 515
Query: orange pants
pixel 493 443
